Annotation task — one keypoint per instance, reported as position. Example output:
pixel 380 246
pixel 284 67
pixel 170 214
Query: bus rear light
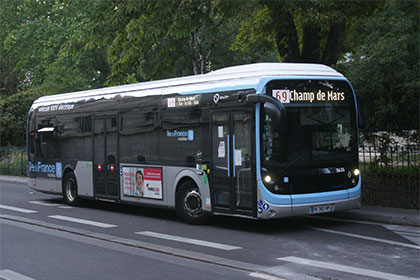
pixel 99 167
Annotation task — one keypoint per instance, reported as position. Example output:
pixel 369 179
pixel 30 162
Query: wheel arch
pixel 67 169
pixel 191 175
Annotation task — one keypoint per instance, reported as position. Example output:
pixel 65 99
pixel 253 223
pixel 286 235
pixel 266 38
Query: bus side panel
pixel 84 176
pixel 47 185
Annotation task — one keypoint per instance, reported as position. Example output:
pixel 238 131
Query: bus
pixel 261 141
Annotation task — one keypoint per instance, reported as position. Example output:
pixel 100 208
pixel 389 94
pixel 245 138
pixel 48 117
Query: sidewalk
pixel 398 216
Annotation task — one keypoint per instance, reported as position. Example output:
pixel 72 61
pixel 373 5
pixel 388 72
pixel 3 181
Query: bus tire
pixel 189 204
pixel 70 189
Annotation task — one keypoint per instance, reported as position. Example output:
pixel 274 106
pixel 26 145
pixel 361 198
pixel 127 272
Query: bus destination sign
pixel 288 96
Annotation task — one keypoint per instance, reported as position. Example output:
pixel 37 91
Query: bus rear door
pixel 106 167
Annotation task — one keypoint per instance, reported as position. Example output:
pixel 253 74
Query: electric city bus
pixel 262 141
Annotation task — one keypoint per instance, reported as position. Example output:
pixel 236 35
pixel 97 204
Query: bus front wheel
pixel 189 204
pixel 70 190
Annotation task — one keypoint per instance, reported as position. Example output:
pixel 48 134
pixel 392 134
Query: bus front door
pixel 106 167
pixel 233 182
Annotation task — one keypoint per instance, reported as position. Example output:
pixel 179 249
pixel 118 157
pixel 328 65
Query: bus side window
pixel 46 140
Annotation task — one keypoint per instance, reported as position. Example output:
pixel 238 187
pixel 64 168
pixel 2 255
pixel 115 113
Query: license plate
pixel 321 209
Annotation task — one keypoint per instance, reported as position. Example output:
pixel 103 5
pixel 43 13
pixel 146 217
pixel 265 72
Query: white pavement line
pixel 264 276
pixel 368 238
pixel 188 240
pixel 81 221
pixel 11 275
pixel 16 209
pixel 347 269
pixel 46 203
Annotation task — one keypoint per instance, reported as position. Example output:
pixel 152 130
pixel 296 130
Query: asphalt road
pixel 41 238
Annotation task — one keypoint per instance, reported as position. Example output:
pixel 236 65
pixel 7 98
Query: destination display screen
pixel 310 91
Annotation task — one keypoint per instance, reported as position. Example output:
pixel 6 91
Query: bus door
pixel 106 167
pixel 233 182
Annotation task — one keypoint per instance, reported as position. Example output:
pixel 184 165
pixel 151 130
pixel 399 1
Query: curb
pixel 13 180
pixel 386 218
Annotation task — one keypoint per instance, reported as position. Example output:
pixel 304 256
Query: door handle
pixel 234 156
pixel 228 155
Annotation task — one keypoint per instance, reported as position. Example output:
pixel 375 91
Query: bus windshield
pixel 320 123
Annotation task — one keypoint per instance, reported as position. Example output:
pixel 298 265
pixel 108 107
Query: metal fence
pixel 390 175
pixel 13 161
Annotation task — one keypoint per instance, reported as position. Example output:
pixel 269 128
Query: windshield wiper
pixel 293 162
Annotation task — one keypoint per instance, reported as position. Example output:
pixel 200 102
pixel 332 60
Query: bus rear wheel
pixel 70 189
pixel 189 204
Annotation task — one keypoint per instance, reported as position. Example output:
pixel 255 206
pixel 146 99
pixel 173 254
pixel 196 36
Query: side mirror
pixel 274 108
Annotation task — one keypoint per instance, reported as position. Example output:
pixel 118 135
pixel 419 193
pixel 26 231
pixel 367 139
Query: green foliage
pixel 13 161
pixel 384 69
pixel 56 46
pixel 13 116
pixel 302 31
pixel 148 40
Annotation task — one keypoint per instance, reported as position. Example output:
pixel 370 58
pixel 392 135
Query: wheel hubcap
pixel 71 190
pixel 192 202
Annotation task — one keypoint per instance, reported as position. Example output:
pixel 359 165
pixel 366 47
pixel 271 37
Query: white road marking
pixel 65 207
pixel 46 203
pixel 410 233
pixel 16 209
pixel 368 238
pixel 263 276
pixel 82 221
pixel 189 240
pixel 11 275
pixel 43 203
pixel 347 269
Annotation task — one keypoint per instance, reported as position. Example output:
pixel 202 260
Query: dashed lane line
pixel 11 275
pixel 189 240
pixel 16 209
pixel 346 269
pixel 264 276
pixel 51 204
pixel 82 221
pixel 43 203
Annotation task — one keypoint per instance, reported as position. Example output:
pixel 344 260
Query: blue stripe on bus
pixel 312 198
pixel 355 192
pixel 275 199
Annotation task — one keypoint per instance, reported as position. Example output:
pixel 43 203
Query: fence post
pixel 408 167
pixel 21 163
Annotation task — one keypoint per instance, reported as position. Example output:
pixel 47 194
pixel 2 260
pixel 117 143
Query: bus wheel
pixel 189 203
pixel 70 190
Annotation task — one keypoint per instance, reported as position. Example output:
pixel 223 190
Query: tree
pixel 149 40
pixel 302 31
pixel 13 116
pixel 384 69
pixel 43 53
